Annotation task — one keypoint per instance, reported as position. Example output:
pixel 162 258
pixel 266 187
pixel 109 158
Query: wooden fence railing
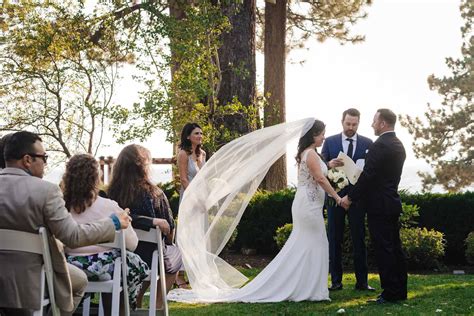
pixel 106 165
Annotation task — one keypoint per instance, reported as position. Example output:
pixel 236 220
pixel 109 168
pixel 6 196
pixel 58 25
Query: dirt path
pixel 239 260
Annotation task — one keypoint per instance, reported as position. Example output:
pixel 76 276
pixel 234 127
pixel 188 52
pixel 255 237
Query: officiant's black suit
pixel 377 187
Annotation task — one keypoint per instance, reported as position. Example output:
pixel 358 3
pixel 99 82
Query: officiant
pixel 355 146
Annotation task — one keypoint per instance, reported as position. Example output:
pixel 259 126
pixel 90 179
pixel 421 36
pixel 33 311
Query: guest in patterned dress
pixel 131 187
pixel 80 186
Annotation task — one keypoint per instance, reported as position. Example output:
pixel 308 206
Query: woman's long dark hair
pixel 131 177
pixel 186 142
pixel 80 183
pixel 307 139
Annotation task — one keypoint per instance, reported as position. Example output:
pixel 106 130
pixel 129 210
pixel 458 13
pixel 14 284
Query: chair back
pixel 15 240
pixel 155 236
pixel 119 243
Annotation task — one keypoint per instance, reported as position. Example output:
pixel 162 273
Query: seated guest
pixel 81 193
pixel 28 202
pixel 131 187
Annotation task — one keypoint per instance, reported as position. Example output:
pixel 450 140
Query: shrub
pixel 282 234
pixel 265 212
pixel 221 227
pixel 171 192
pixel 423 248
pixel 409 215
pixel 450 214
pixel 470 248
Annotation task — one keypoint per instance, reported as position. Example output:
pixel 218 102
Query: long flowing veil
pixel 215 200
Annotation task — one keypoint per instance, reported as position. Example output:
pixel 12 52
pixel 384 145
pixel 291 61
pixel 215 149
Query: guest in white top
pixel 80 185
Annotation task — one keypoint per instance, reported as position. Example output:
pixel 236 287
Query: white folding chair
pixel 15 240
pixel 155 236
pixel 112 286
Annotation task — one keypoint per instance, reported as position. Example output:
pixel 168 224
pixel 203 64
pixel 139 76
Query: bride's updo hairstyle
pixel 307 139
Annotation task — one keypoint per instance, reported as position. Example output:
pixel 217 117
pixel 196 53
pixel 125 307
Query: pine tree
pixel 445 138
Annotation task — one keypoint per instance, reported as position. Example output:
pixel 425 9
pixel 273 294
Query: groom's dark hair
pixel 388 116
pixel 351 112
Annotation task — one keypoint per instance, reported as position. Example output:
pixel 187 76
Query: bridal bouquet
pixel 338 180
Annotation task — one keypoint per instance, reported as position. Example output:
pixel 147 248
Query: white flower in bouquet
pixel 338 179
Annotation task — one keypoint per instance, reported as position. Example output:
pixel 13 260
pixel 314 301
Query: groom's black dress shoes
pixel 336 287
pixel 381 300
pixel 364 287
pixel 378 300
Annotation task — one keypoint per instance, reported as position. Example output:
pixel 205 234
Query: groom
pixel 378 186
pixel 355 146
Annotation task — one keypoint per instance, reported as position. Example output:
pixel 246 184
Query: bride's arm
pixel 315 169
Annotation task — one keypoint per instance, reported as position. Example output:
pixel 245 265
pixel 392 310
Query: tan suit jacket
pixel 26 203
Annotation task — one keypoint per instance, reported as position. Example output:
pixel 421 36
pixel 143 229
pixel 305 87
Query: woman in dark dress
pixel 131 187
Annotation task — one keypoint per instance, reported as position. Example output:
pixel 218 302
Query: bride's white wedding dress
pixel 213 205
pixel 300 270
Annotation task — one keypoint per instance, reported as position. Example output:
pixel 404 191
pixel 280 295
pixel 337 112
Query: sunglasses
pixel 44 157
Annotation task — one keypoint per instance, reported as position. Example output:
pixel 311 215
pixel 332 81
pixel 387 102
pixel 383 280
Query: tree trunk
pixel 274 83
pixel 237 61
pixel 177 12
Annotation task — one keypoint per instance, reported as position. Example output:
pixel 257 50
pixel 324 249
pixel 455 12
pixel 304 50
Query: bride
pixel 216 200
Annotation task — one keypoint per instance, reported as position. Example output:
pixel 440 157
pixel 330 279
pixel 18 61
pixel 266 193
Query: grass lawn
pixel 427 295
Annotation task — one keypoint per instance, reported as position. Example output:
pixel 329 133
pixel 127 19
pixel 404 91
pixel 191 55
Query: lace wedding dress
pixel 300 270
pixel 218 197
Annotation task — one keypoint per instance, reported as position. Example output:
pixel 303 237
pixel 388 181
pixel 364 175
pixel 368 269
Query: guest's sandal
pixel 184 285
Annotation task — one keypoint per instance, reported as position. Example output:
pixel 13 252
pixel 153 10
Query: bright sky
pixel 406 41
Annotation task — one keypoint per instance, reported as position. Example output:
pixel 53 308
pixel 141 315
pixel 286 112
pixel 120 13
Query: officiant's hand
pixel 345 202
pixel 336 162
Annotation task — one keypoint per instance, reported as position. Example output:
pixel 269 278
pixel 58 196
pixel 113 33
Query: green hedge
pixel 169 188
pixel 450 214
pixel 470 248
pixel 266 212
pixel 423 248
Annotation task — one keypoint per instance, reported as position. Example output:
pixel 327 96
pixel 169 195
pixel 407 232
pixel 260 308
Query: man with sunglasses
pixel 26 203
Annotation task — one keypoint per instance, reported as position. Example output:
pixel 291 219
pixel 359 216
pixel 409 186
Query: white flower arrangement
pixel 338 179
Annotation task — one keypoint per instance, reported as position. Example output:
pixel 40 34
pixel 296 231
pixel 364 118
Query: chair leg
pixel 101 306
pixel 153 283
pixel 86 306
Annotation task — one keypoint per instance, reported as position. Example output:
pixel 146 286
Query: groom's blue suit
pixel 336 218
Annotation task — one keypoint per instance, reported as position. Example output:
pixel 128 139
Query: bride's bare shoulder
pixel 312 153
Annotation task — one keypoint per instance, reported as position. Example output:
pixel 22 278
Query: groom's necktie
pixel 350 149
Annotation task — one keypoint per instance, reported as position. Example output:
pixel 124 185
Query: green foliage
pixel 265 212
pixel 282 234
pixel 323 20
pixel 470 247
pixel 54 79
pixel 220 228
pixel 423 248
pixel 409 213
pixel 450 214
pixel 188 46
pixel 445 138
pixel 171 192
